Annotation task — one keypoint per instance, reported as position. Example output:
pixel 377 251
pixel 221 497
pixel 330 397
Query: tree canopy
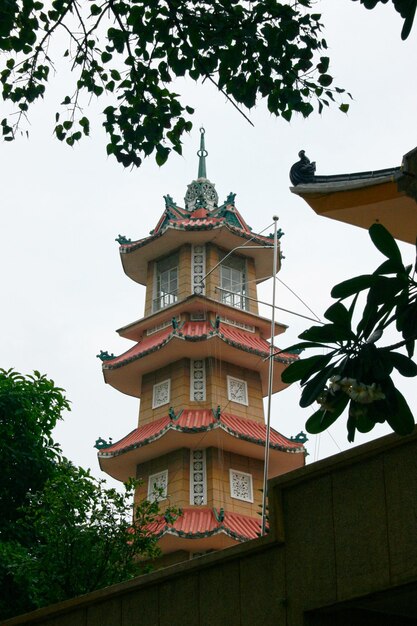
pixel 354 370
pixel 129 53
pixel 62 532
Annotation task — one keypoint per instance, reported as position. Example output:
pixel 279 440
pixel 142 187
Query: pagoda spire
pixel 201 193
pixel 202 154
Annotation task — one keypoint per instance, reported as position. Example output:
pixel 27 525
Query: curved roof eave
pixel 193 346
pixel 172 237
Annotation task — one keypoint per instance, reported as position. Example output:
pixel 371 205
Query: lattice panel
pixel 198 268
pixel 158 486
pixel 161 393
pixel 241 486
pixel 198 478
pixel 237 390
pixel 198 380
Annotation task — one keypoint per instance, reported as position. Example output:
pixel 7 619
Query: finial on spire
pixel 201 193
pixel 202 153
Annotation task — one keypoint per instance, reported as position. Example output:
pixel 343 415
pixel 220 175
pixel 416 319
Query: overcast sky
pixel 64 290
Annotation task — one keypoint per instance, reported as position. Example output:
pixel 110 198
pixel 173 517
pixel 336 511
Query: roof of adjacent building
pixel 198 421
pixel 195 523
pixel 387 196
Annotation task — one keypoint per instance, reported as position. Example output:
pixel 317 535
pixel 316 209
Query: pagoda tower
pixel 199 365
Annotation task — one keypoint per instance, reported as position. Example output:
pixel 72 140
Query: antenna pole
pixel 270 378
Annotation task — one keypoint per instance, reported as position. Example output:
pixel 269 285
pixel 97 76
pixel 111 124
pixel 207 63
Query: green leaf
pixel 325 80
pixel 403 364
pixel 328 333
pixel 322 419
pixel 315 386
pixel 352 286
pixel 305 367
pixel 364 421
pixel 161 154
pixel 389 267
pixel 385 243
pixel 401 420
pixel 344 108
pixel 338 314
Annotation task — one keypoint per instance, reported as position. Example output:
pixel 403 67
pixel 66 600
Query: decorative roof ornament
pixel 303 171
pixel 201 192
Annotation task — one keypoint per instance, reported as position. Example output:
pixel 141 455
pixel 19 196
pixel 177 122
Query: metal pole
pixel 270 378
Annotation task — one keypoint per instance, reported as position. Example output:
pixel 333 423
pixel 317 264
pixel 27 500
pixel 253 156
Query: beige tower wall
pixel 217 372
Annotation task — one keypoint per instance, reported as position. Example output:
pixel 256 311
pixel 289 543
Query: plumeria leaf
pixel 323 418
pixel 328 333
pixel 403 364
pixel 315 386
pixel 390 267
pixel 303 368
pixel 338 314
pixel 352 286
pixel 401 420
pixel 302 345
pixel 385 243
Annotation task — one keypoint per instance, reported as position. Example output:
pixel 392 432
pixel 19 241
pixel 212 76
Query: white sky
pixel 64 290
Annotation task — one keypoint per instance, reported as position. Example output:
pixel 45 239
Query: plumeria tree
pixel 355 366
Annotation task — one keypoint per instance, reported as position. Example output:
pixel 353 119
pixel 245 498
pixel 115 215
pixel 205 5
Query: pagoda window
pixel 233 282
pixel 237 390
pixel 198 478
pixel 161 393
pixel 241 486
pixel 158 486
pixel 166 282
pixel 198 380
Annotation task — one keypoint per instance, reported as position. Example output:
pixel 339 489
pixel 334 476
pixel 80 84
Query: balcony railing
pixel 164 300
pixel 237 300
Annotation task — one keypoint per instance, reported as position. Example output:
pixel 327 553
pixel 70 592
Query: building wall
pixel 219 463
pixel 179 375
pixel 216 390
pixel 212 282
pixel 342 540
pixel 178 465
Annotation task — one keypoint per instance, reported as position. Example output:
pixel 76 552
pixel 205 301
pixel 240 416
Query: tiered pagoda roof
pixel 202 523
pixel 224 224
pixel 184 429
pixel 178 339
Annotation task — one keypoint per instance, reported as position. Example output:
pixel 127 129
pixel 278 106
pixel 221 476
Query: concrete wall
pixel 342 550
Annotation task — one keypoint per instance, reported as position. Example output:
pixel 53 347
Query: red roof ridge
pixel 201 420
pixel 199 331
pixel 197 523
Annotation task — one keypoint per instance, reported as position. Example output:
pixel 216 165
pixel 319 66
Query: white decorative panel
pixel 198 480
pixel 241 486
pixel 197 316
pixel 160 326
pixel 161 393
pixel 198 380
pixel 198 268
pixel 248 327
pixel 237 390
pixel 158 486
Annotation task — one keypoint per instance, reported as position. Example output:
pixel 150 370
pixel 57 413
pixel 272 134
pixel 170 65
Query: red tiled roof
pixel 197 222
pixel 194 331
pixel 191 421
pixel 197 523
pixel 186 221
